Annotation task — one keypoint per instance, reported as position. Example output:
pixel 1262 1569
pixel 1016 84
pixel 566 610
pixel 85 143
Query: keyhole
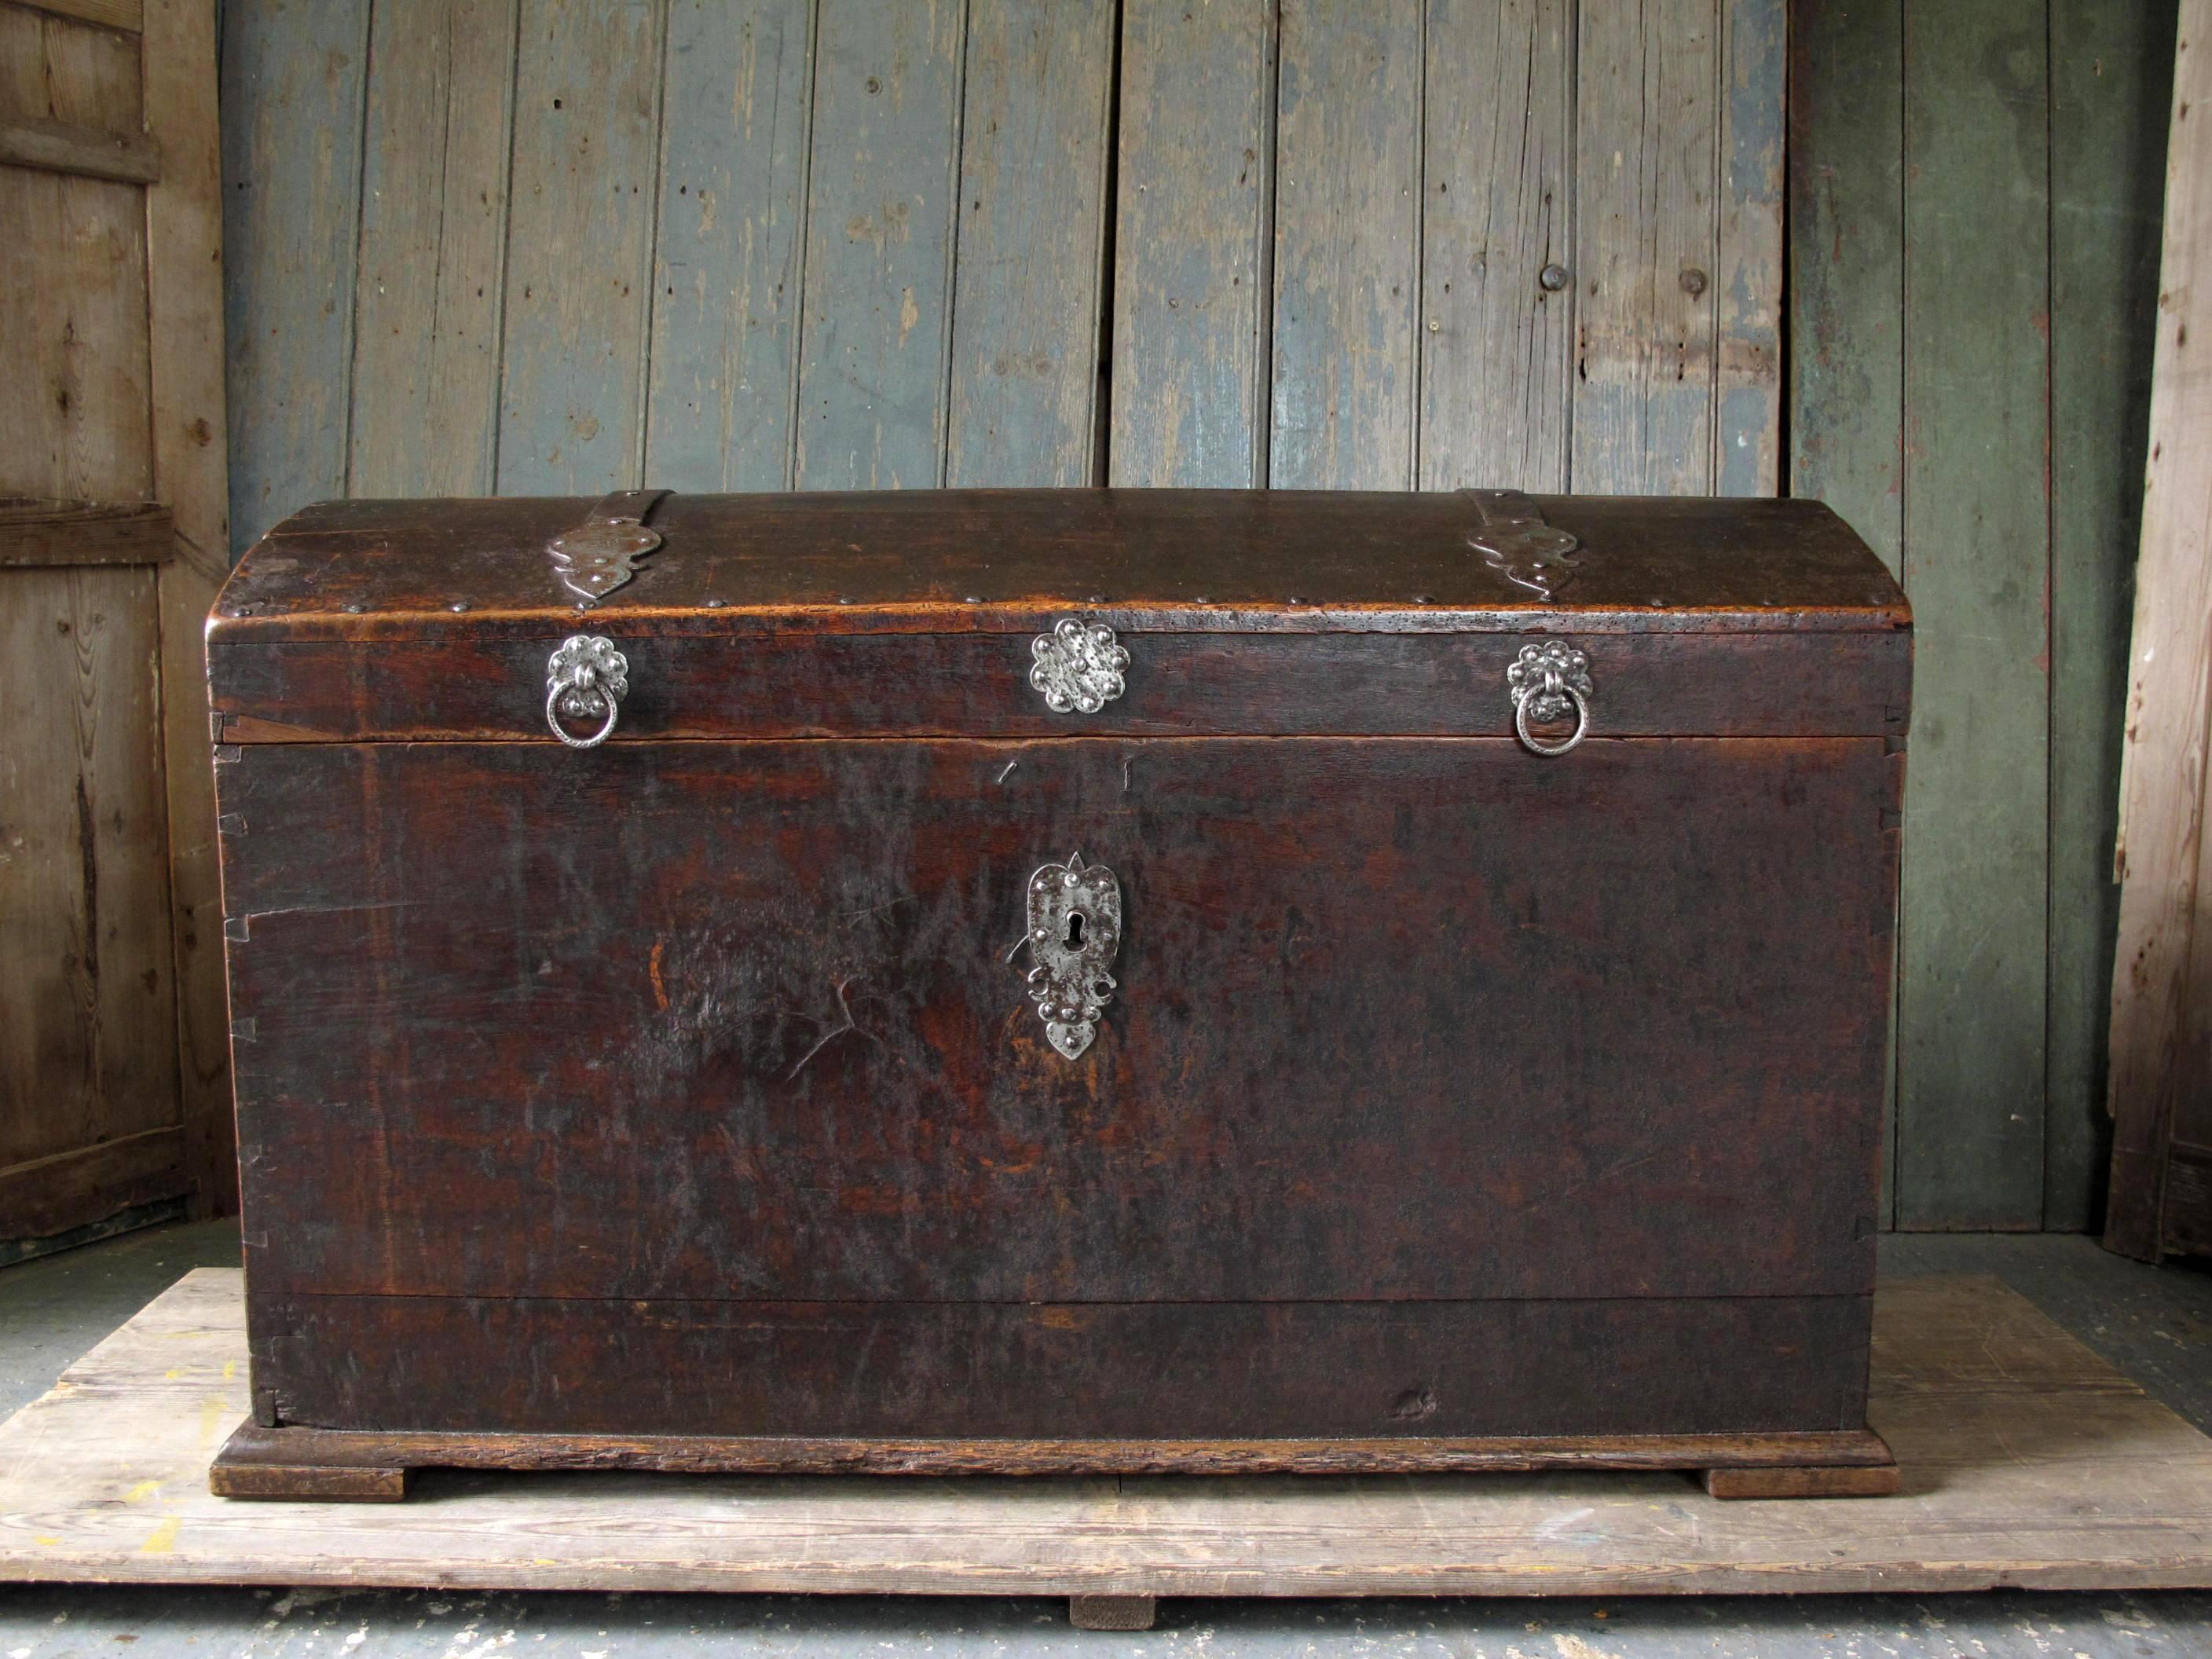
pixel 1075 930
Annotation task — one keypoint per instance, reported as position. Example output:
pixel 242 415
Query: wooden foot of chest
pixel 1110 1611
pixel 365 1465
pixel 1809 1481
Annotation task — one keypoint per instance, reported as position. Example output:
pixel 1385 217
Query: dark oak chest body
pixel 1265 1060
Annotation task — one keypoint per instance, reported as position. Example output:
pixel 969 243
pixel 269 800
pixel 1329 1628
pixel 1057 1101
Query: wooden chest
pixel 1059 981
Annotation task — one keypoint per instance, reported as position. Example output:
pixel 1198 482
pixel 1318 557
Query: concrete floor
pixel 2154 1324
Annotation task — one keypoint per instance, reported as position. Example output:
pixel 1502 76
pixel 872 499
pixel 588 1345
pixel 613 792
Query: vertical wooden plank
pixel 1192 242
pixel 1347 245
pixel 1496 143
pixel 579 246
pixel 2169 699
pixel 1747 279
pixel 425 392
pixel 185 303
pixel 879 244
pixel 293 76
pixel 1027 291
pixel 2111 74
pixel 72 266
pixel 85 994
pixel 1647 236
pixel 73 375
pixel 1847 295
pixel 738 105
pixel 1977 405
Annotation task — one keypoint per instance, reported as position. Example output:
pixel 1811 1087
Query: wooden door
pixel 114 1081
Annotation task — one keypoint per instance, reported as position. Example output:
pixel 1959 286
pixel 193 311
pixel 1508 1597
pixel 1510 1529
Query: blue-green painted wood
pixel 1029 292
pixel 1192 241
pixel 1747 278
pixel 737 110
pixel 1846 379
pixel 2112 86
pixel 879 243
pixel 294 73
pixel 1348 134
pixel 1495 343
pixel 579 246
pixel 425 386
pixel 1971 1004
pixel 1647 244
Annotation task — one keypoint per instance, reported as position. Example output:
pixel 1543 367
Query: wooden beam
pixel 47 532
pixel 130 158
pixel 2162 768
pixel 183 272
pixel 90 1183
pixel 124 15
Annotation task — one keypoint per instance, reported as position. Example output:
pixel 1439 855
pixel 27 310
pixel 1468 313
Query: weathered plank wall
pixel 510 246
pixel 507 246
pixel 1976 191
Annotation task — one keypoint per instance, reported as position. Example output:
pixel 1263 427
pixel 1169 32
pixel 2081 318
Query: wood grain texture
pixel 1747 279
pixel 85 152
pixel 1160 1154
pixel 2026 1459
pixel 1045 1389
pixel 2111 72
pixel 185 308
pixel 112 14
pixel 59 72
pixel 307 1457
pixel 1495 343
pixel 1192 242
pixel 1029 297
pixel 73 379
pixel 50 533
pixel 69 1190
pixel 2161 858
pixel 1646 217
pixel 737 114
pixel 293 77
pixel 86 992
pixel 985 560
pixel 1810 1481
pixel 1846 336
pixel 1348 258
pixel 1970 1032
pixel 433 222
pixel 579 246
pixel 880 231
pixel 976 684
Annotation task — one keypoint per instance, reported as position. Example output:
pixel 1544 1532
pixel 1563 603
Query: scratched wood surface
pixel 2026 1461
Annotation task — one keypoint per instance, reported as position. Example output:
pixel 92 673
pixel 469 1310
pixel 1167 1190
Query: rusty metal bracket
pixel 1515 541
pixel 601 554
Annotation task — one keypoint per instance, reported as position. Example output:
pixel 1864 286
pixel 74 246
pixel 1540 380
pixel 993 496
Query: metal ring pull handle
pixel 586 678
pixel 1546 681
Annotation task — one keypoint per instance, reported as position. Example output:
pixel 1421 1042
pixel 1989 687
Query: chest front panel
pixel 1390 1018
